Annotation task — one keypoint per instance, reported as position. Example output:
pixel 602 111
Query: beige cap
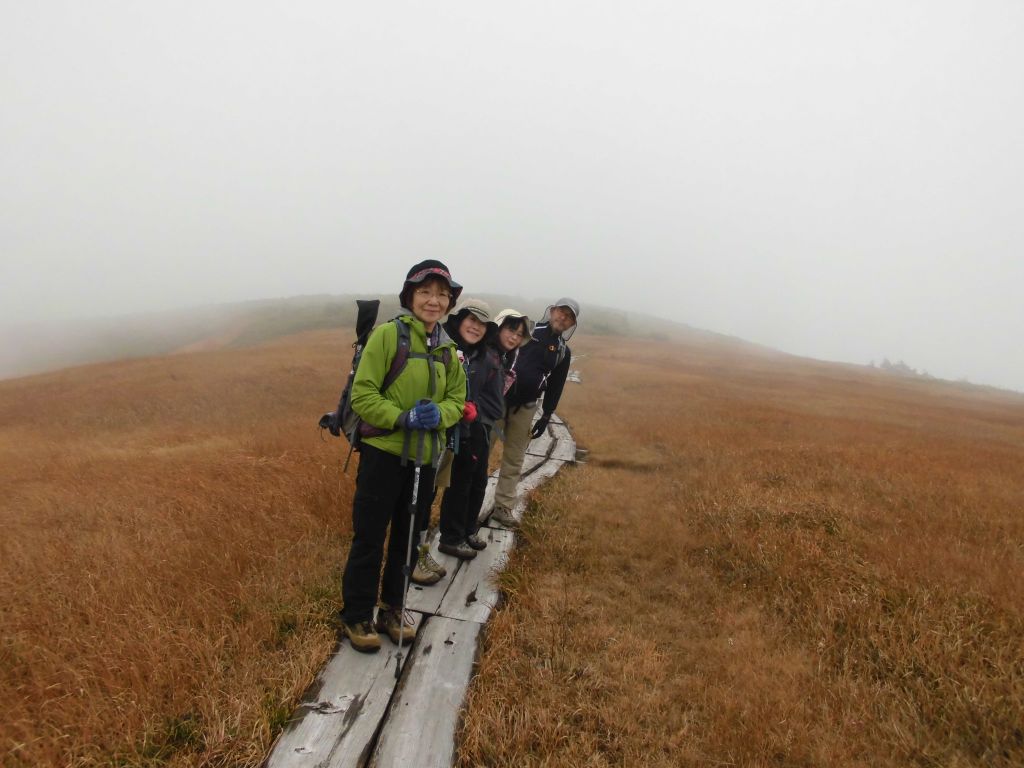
pixel 505 314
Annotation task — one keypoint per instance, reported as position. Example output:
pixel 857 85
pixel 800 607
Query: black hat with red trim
pixel 422 271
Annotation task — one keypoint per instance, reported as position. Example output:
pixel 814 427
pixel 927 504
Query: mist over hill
pixel 30 349
pixel 37 348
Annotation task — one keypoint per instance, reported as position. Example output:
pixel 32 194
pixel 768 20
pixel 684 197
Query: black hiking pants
pixel 383 494
pixel 460 505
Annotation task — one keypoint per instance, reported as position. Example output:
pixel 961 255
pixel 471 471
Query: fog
pixel 842 180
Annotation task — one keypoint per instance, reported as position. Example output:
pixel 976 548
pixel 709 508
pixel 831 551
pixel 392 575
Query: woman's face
pixel 511 337
pixel 430 301
pixel 471 329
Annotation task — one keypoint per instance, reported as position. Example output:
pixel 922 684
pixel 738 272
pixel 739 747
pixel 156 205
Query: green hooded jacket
pixel 412 385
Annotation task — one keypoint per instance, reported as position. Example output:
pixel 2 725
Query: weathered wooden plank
pixel 534 479
pixel 564 450
pixel 474 592
pixel 541 445
pixel 336 722
pixel 345 708
pixel 425 713
pixel 559 429
pixel 531 462
pixel 565 447
pixel 339 715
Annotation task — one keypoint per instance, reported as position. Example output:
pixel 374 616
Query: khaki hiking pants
pixel 516 426
pixel 443 476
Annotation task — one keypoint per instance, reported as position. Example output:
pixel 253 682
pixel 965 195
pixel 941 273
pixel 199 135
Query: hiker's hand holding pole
pixel 469 413
pixel 540 425
pixel 423 416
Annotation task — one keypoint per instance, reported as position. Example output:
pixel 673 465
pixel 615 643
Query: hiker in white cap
pixel 538 375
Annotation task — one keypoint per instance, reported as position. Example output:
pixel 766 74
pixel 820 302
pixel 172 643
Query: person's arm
pixel 367 399
pixel 552 394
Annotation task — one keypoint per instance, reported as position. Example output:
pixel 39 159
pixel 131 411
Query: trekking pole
pixel 406 568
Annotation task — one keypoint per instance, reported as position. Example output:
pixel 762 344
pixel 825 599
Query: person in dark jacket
pixel 475 334
pixel 539 371
pixel 409 419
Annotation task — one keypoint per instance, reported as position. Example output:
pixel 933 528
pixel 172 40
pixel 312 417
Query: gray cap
pixel 565 303
pixel 478 307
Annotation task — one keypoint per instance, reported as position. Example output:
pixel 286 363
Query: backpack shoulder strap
pixel 560 356
pixel 401 355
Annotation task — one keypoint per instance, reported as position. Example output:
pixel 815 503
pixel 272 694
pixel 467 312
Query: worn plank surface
pixel 422 721
pixel 563 449
pixel 531 462
pixel 338 718
pixel 353 708
pixel 541 446
pixel 474 594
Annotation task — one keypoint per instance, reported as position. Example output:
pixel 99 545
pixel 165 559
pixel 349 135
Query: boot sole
pixel 363 647
pixel 425 582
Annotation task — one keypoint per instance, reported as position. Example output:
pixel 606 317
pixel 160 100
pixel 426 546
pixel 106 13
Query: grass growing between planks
pixel 766 561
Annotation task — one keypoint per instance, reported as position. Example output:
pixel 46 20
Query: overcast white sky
pixel 842 180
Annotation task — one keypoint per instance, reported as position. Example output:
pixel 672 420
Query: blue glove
pixel 423 416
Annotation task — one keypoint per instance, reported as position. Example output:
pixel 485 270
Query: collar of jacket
pixel 543 334
pixel 414 323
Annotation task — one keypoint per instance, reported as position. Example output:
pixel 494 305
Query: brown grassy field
pixel 766 561
pixel 172 539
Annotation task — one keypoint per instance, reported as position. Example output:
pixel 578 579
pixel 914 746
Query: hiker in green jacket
pixel 405 426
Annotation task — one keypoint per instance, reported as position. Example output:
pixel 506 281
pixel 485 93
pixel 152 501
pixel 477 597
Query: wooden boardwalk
pixel 356 713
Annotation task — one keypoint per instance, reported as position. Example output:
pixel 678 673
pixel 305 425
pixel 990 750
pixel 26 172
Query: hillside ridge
pixel 39 348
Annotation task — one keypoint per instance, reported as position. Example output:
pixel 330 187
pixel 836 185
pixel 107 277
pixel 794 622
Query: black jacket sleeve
pixel 556 382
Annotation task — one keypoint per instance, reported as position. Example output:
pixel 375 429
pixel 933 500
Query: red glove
pixel 469 412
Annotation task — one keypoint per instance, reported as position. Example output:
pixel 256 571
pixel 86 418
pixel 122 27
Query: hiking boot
pixel 390 620
pixel 432 565
pixel 362 636
pixel 476 542
pixel 461 550
pixel 504 517
pixel 427 570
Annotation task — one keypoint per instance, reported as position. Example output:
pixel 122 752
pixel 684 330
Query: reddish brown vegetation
pixel 765 562
pixel 172 540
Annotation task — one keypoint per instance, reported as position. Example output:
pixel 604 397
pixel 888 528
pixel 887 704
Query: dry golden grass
pixel 766 561
pixel 172 538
